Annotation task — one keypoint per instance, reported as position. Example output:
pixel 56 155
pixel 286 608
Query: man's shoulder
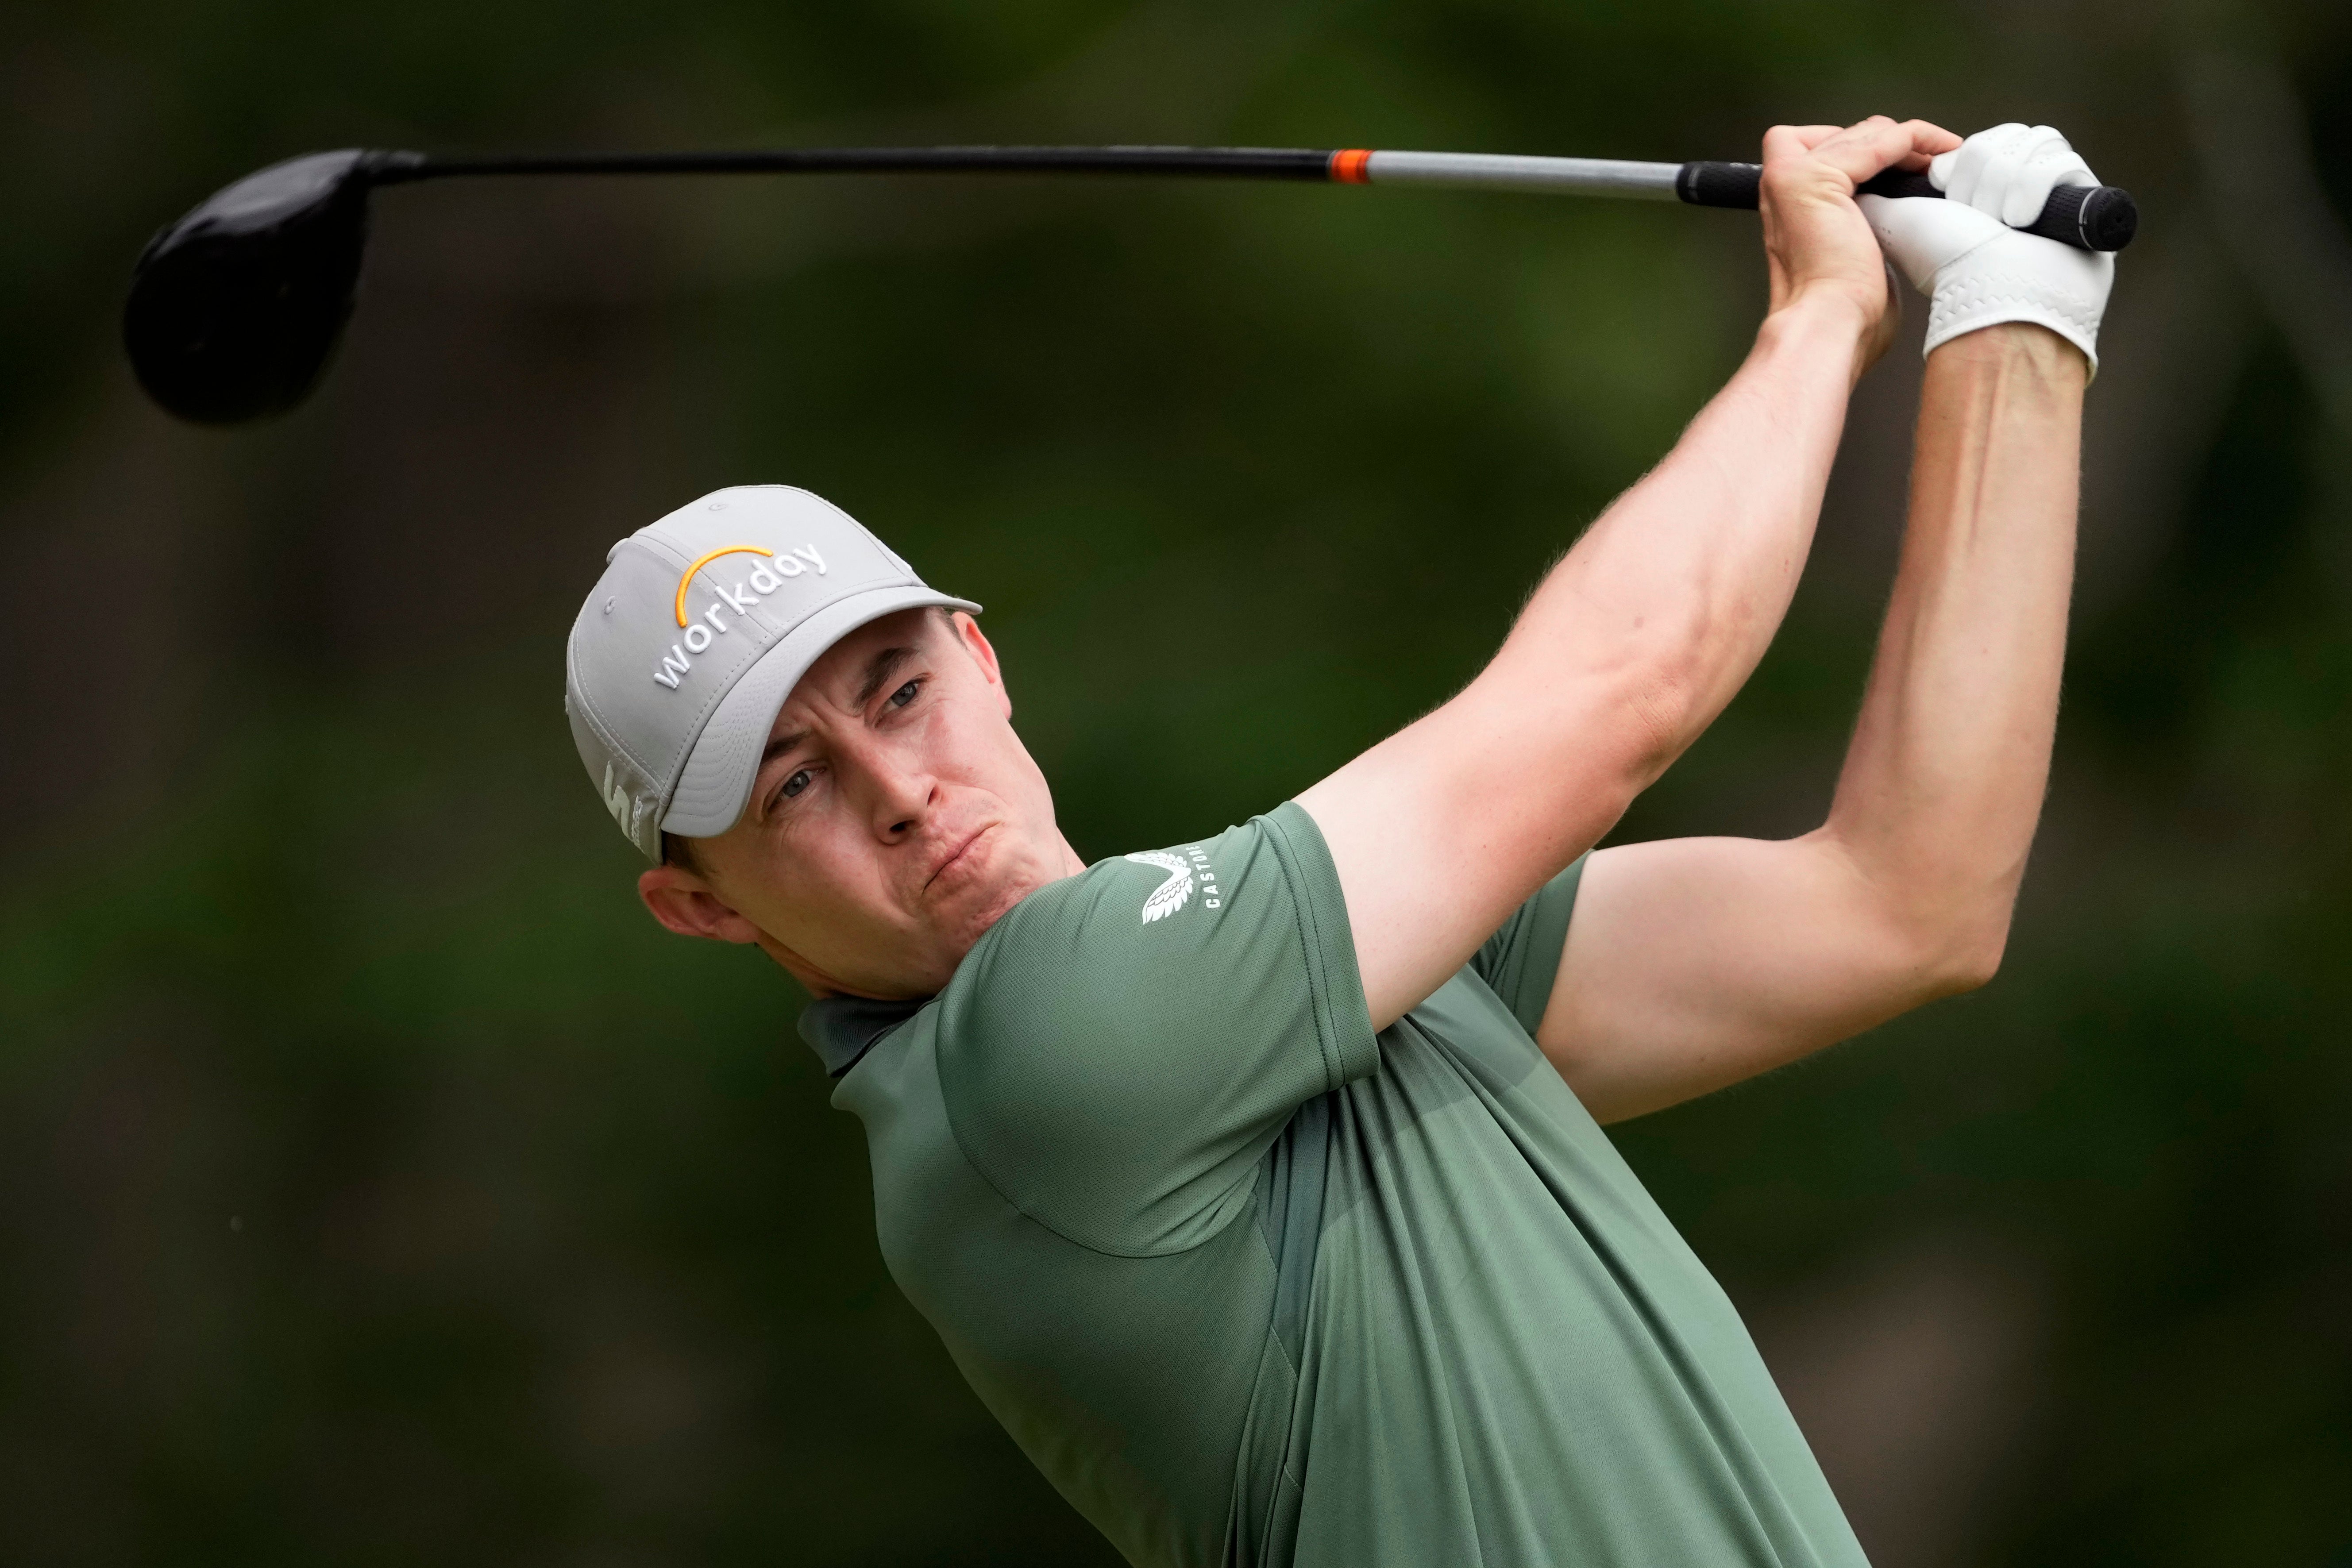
pixel 1115 1052
pixel 1134 913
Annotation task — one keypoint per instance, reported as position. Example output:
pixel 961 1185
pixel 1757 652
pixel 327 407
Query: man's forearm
pixel 1636 639
pixel 1944 781
pixel 1680 585
pixel 1696 962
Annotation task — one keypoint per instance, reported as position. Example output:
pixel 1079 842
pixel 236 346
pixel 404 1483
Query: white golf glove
pixel 1976 271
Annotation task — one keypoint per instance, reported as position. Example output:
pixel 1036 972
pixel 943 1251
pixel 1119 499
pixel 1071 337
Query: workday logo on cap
pixel 698 631
pixel 766 577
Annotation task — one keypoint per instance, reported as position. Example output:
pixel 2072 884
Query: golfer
pixel 1257 1183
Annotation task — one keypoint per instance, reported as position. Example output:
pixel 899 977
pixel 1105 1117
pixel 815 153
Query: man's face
pixel 894 818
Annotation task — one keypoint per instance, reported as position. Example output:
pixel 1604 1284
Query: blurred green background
pixel 377 1186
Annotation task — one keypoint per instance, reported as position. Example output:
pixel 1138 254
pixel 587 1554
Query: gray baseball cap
pixel 699 628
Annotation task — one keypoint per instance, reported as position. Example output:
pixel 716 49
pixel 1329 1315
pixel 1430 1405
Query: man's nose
pixel 903 794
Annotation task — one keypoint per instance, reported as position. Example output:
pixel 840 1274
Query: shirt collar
pixel 842 1029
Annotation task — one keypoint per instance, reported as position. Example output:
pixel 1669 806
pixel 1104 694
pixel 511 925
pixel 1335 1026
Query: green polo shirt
pixel 1251 1284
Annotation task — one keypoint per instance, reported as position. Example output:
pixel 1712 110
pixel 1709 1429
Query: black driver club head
pixel 236 309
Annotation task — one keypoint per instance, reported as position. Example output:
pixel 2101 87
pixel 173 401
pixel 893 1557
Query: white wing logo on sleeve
pixel 1171 895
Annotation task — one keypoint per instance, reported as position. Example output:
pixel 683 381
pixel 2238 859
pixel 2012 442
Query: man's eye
pixel 905 694
pixel 797 782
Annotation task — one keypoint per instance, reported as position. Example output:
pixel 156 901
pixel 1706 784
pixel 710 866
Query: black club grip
pixel 2089 217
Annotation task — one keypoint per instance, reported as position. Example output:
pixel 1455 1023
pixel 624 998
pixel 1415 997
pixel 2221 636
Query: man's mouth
pixel 957 855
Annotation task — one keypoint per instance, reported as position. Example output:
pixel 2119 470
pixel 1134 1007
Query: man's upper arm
pixel 1441 831
pixel 1695 962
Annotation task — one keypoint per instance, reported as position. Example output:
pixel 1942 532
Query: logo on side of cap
pixel 766 576
pixel 628 810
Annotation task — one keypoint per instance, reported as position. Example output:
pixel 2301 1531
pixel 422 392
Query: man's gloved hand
pixel 1979 272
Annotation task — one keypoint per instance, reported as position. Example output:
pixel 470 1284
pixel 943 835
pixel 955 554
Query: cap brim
pixel 719 771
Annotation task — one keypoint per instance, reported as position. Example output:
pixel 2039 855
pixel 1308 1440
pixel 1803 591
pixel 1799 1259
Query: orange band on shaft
pixel 1347 166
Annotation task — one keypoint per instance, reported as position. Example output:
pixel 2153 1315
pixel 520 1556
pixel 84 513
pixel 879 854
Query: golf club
pixel 236 309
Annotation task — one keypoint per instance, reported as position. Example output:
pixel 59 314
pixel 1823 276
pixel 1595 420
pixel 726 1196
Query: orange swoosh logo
pixel 687 576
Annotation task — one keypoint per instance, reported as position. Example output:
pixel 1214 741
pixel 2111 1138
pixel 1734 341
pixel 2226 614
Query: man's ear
pixel 974 642
pixel 685 903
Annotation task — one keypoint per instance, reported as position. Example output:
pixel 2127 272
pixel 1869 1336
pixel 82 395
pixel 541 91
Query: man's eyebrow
pixel 879 668
pixel 883 666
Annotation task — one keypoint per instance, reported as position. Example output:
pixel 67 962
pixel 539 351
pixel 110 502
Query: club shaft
pixel 2090 217
pixel 1196 162
pixel 1507 172
pixel 1581 177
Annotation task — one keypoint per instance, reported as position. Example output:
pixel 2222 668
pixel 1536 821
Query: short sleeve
pixel 1520 962
pixel 1118 1051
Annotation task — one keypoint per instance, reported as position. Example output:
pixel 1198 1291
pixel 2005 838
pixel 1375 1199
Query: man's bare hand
pixel 1816 241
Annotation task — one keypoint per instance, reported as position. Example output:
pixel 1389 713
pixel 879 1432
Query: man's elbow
pixel 1938 930
pixel 1963 954
pixel 1665 716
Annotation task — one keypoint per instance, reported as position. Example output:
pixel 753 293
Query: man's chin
pixel 967 913
pixel 954 913
pixel 981 907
